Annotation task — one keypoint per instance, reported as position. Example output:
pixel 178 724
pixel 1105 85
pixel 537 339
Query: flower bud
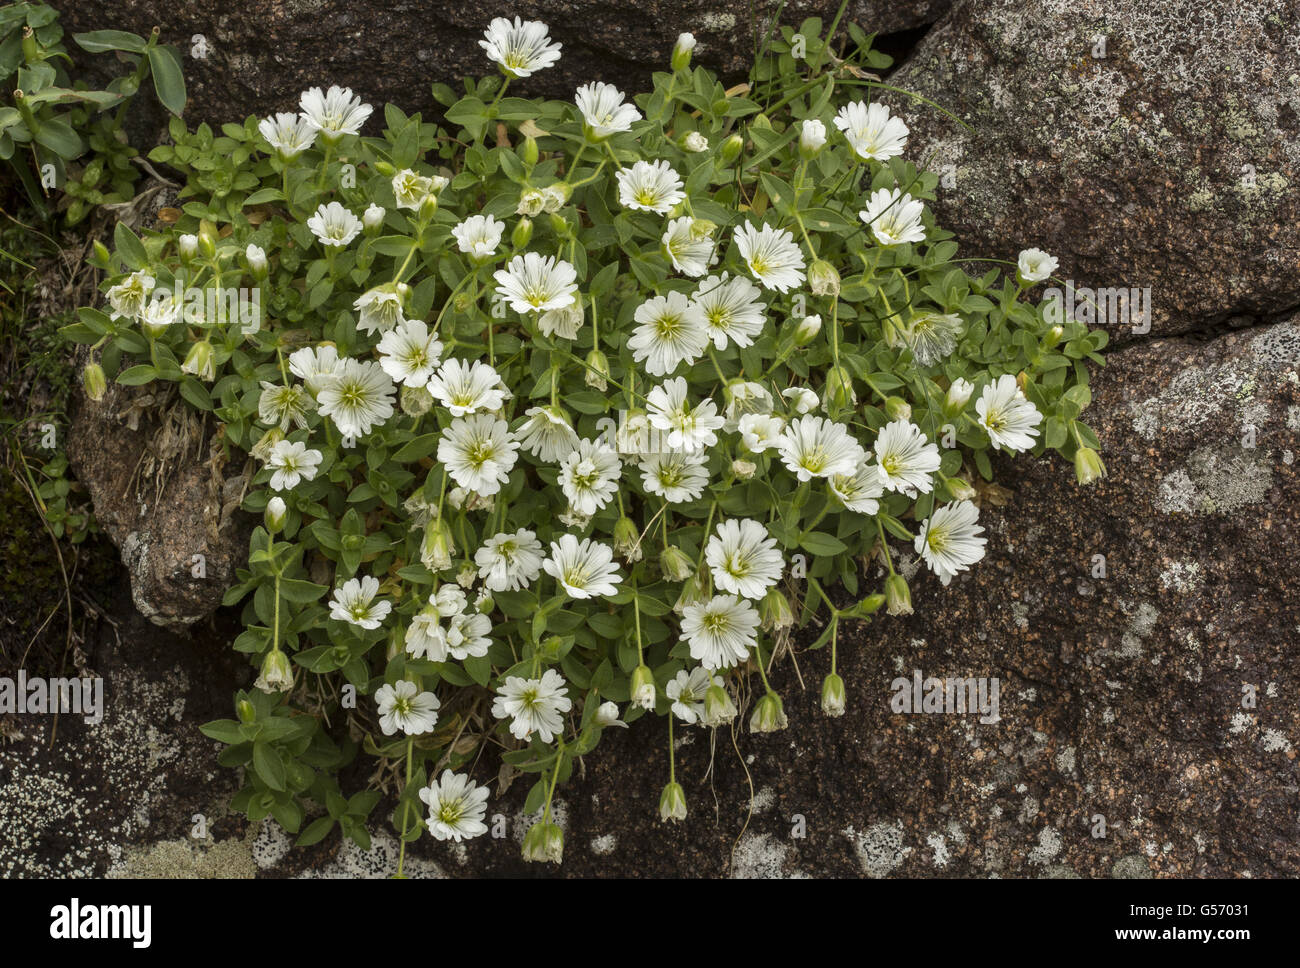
pixel 675 565
pixel 898 409
pixel 643 687
pixel 437 547
pixel 187 246
pixel 246 712
pixel 372 220
pixel 262 449
pixel 428 207
pixel 416 401
pixel 484 603
pixel 823 279
pixel 1053 337
pixel 839 388
pixel 718 707
pixel 743 469
pixel 607 715
pixel 731 149
pixel 682 51
pixel 898 596
pixel 99 254
pixel 207 244
pixel 530 153
pixel 694 142
pixel 1088 465
pixel 199 362
pixel 274 515
pixel 812 138
pixel 833 695
pixel 769 715
pixel 256 257
pixel 544 843
pixel 672 803
pixel 958 396
pixel 277 673
pixel 692 594
pixel 523 233
pixel 560 226
pixel 627 540
pixel 774 611
pixel 92 378
pixel 959 489
pixel 806 330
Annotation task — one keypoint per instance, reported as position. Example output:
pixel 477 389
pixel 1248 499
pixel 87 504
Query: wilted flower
pixel 769 715
pixel 544 843
pixel 833 699
pixel 672 803
pixel 276 674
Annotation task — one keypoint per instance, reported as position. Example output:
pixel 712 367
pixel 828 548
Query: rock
pixel 1145 144
pixel 259 56
pixel 157 475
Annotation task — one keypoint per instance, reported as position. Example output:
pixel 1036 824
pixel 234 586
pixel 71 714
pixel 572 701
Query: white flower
pixel 284 405
pixel 815 447
pixel 478 452
pixel 520 48
pixel 812 136
pixel 729 308
pixel 689 428
pixel 720 632
pixel 380 309
pixel 667 334
pixel 905 459
pixel 546 434
pixel 533 705
pixel 860 490
pixel 589 475
pixel 871 131
pixel 465 388
pixel 584 569
pixel 801 399
pixel 334 225
pixel 409 353
pixel 292 462
pixel 603 109
pixel 677 477
pixel 894 218
pixel 314 366
pixel 402 706
pixel 289 134
pixel 448 600
pixel 1035 265
pixel 760 431
pixel 649 187
pixel 478 236
pixel 457 806
pixel 695 142
pixel 509 562
pixel 357 397
pixel 334 113
pixel 467 635
pixel 373 216
pixel 531 202
pixel 425 636
pixel 932 336
pixel 129 296
pixel 689 246
pixel 607 715
pixel 188 244
pixel 959 394
pixel 354 603
pixel 772 255
pixel 562 322
pixel 411 188
pixel 1006 415
pixel 533 283
pixel 949 539
pixel 256 257
pixel 744 559
pixel 687 692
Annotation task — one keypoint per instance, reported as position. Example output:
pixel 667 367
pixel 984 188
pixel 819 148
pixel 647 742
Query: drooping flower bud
pixel 823 279
pixel 692 594
pixel 769 715
pixel 276 674
pixel 718 707
pixel 199 362
pixel 775 612
pixel 92 378
pixel 675 564
pixel 643 687
pixel 627 540
pixel 416 401
pixel 597 370
pixel 544 843
pixel 1088 465
pixel 672 803
pixel 839 388
pixel 898 597
pixel 898 409
pixel 833 695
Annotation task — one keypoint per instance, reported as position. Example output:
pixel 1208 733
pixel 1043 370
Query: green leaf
pixel 129 247
pixel 268 765
pixel 59 137
pixel 820 543
pixel 413 450
pixel 316 831
pixel 137 375
pixel 99 41
pixel 168 81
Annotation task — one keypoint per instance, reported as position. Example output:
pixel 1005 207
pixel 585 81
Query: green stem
pixel 406 808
